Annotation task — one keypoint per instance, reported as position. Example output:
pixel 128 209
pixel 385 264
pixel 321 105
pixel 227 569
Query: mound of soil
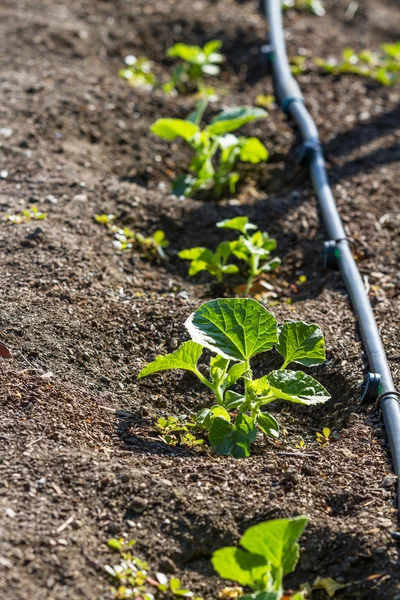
pixel 80 460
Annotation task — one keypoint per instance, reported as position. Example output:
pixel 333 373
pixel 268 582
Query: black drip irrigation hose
pixel 378 384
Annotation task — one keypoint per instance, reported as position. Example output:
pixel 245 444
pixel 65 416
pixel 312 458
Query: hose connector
pixel 370 388
pixel 330 253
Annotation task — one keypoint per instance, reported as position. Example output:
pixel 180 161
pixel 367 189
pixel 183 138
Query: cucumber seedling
pixel 124 238
pixel 138 72
pixel 235 330
pixel 266 553
pixel 197 63
pixel 383 67
pixel 253 247
pixel 216 150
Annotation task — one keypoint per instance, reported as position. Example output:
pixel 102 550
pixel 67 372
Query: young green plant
pixel 197 63
pixel 124 238
pixel 138 72
pixel 267 552
pixel 235 330
pixel 131 578
pixel 28 214
pixel 216 150
pixel 383 67
pixel 252 247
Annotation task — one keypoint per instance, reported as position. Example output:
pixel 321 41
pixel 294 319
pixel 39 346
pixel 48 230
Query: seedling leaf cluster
pixel 383 67
pixel 216 150
pixel 196 63
pixel 236 330
pixel 252 247
pixel 125 239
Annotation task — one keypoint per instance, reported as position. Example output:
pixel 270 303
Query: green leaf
pixel 169 129
pixel 232 119
pixel 114 544
pixel 233 400
pixel 190 53
pixel 241 224
pixel 296 386
pixel 235 372
pixel 191 253
pixel 185 357
pixel 239 566
pixel 206 416
pixel 302 343
pixel 268 424
pixel 276 540
pixel 218 366
pixel 236 328
pixel 233 440
pixel 212 47
pixel 253 151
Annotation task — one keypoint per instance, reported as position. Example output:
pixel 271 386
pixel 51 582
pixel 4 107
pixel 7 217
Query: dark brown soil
pixel 81 319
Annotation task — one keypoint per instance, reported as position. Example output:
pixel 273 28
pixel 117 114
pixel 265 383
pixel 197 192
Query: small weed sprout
pixel 235 330
pixel 124 239
pixel 28 214
pixel 177 431
pixel 316 7
pixel 197 63
pixel 216 150
pixel 383 67
pixel 131 578
pixel 252 247
pixel 325 437
pixel 267 552
pixel 138 72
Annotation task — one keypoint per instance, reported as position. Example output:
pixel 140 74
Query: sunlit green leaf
pixel 302 343
pixel 185 357
pixel 236 328
pixel 296 386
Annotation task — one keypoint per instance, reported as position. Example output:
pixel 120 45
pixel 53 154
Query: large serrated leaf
pixel 239 566
pixel 276 540
pixel 185 357
pixel 233 440
pixel 236 328
pixel 233 118
pixel 302 343
pixel 169 129
pixel 296 386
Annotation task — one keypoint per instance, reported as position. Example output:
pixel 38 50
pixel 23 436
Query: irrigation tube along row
pixel 378 385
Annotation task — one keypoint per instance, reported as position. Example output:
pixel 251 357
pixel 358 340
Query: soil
pixel 81 318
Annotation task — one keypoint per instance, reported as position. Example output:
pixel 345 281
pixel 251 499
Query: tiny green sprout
pixel 236 330
pixel 176 431
pixel 266 553
pixel 383 67
pixel 265 101
pixel 301 444
pixel 124 238
pixel 216 150
pixel 104 219
pixel 252 247
pixel 298 64
pixel 28 214
pixel 131 578
pixel 197 63
pixel 138 72
pixel 325 437
pixel 154 244
pixel 316 7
